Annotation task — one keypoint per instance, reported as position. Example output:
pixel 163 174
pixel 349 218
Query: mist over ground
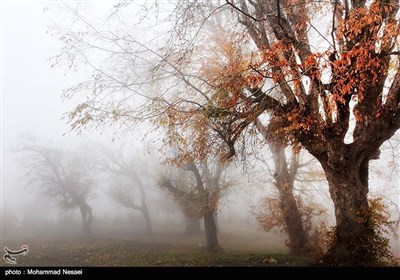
pixel 126 195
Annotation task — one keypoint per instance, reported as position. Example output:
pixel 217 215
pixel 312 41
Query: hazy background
pixel 30 97
pixel 31 103
pixel 30 89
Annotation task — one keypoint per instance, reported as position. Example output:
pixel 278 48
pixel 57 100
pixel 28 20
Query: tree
pixel 199 193
pixel 340 101
pixel 294 206
pixel 119 168
pixel 350 87
pixel 284 178
pixel 62 176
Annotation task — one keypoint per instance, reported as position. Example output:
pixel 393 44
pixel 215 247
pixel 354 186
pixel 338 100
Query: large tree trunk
pixel 210 229
pixel 284 181
pixel 192 227
pixel 348 186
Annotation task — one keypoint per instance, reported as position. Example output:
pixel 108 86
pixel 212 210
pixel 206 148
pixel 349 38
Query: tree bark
pixel 298 239
pixel 284 175
pixel 192 227
pixel 348 186
pixel 284 181
pixel 210 229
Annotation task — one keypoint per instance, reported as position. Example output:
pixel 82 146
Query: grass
pixel 156 250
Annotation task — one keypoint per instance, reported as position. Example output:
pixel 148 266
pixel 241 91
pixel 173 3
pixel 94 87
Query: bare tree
pixel 61 175
pixel 130 193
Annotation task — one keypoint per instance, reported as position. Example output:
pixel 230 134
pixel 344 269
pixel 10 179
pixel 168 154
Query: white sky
pixel 30 88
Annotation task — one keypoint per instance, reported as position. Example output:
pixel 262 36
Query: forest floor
pixel 155 250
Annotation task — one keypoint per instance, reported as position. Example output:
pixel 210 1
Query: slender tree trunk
pixel 86 215
pixel 348 186
pixel 210 229
pixel 192 227
pixel 284 181
pixel 298 239
pixel 144 209
pixel 146 216
pixel 284 175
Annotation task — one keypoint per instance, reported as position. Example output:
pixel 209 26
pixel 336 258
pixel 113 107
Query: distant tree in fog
pixel 198 192
pixel 127 187
pixel 63 176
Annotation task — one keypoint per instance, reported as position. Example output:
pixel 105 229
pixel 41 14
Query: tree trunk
pixel 86 215
pixel 284 175
pixel 144 209
pixel 348 186
pixel 210 229
pixel 298 239
pixel 192 227
pixel 284 181
pixel 146 216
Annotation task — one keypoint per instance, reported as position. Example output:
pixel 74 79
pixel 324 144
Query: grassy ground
pixel 155 250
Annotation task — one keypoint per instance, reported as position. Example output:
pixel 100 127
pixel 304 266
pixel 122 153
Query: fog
pixel 31 104
pixel 32 108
